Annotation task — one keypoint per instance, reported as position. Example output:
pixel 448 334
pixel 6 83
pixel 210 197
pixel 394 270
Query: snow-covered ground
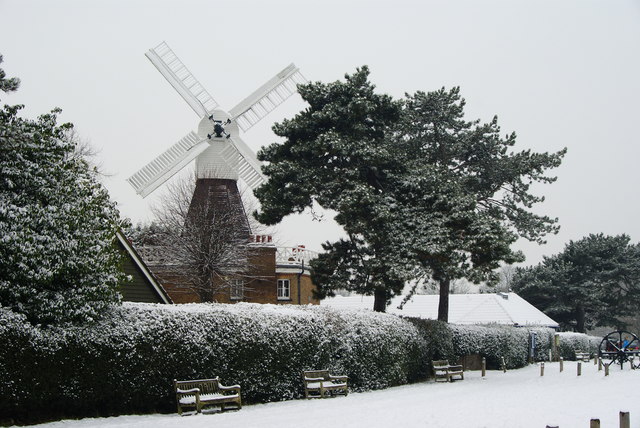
pixel 518 398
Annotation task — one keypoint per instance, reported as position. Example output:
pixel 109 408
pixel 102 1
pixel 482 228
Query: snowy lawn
pixel 518 398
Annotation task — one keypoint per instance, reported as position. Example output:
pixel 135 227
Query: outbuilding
pixel 496 308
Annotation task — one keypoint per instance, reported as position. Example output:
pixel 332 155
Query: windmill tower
pixel 220 155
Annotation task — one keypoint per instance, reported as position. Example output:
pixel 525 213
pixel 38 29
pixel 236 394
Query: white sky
pixel 559 73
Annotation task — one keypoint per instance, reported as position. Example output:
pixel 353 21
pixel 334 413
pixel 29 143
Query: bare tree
pixel 507 274
pixel 200 239
pixel 86 151
pixel 505 277
pixel 461 286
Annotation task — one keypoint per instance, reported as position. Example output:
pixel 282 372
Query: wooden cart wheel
pixel 619 347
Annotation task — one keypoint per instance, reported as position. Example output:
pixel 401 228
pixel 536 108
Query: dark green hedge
pixel 126 363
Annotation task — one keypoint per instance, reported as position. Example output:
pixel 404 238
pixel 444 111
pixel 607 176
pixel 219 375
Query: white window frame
pixel 236 289
pixel 284 289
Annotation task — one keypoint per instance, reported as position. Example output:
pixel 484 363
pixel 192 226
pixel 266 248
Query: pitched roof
pixel 500 308
pixel 154 286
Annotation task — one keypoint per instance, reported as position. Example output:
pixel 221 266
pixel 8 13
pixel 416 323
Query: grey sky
pixel 558 73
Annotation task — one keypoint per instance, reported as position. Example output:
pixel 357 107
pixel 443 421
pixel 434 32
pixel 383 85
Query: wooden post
pixel 595 360
pixel 504 365
pixel 625 421
pixel 552 426
pixel 561 364
pixel 541 369
pixel 595 423
pixel 484 366
pixel 599 364
pixel 606 369
pixel 579 368
pixel 550 355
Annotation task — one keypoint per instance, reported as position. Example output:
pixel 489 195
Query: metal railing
pixel 294 256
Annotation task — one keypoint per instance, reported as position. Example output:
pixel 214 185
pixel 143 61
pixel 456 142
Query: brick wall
pixel 260 282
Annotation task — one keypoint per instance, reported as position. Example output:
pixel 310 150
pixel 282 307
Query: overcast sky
pixel 560 73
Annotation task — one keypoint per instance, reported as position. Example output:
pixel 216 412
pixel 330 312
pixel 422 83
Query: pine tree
pixel 594 281
pixel 58 263
pixel 420 192
pixel 463 196
pixel 336 154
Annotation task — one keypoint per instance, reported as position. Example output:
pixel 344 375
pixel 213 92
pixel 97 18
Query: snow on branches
pixel 57 225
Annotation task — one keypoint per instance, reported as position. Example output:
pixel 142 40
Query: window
pixel 236 289
pixel 284 289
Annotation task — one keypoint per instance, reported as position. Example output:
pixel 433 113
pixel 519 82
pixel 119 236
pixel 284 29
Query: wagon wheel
pixel 614 348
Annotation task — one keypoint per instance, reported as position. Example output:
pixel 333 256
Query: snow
pixel 463 308
pixel 516 399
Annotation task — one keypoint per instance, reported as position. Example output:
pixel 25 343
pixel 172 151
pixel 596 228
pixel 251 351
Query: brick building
pixel 273 275
pixel 269 275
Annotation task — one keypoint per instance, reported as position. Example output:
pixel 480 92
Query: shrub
pixel 126 362
pixel 58 264
pixel 571 342
pixel 438 338
pixel 493 343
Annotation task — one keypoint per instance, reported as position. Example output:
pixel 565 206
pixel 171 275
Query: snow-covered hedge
pixel 572 342
pixel 126 362
pixel 492 343
pixel 449 341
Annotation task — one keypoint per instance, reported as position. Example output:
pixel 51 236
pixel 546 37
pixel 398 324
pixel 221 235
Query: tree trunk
pixel 580 318
pixel 380 300
pixel 443 304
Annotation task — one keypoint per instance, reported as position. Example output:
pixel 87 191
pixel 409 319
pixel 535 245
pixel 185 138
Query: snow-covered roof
pixel 500 308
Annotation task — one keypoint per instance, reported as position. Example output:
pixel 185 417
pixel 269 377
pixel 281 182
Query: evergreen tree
pixel 595 281
pixel 421 192
pixel 337 154
pixel 463 196
pixel 58 263
pixel 8 85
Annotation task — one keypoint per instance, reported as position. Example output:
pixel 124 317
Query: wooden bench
pixel 196 394
pixel 443 370
pixel 321 384
pixel 582 356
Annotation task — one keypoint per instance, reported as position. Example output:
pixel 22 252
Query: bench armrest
pixel 235 388
pixel 187 391
pixel 339 378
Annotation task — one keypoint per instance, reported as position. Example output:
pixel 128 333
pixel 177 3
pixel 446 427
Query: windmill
pixel 220 155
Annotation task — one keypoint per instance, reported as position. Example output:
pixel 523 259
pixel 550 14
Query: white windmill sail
pixel 218 154
pixel 247 164
pixel 163 167
pixel 267 97
pixel 182 80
